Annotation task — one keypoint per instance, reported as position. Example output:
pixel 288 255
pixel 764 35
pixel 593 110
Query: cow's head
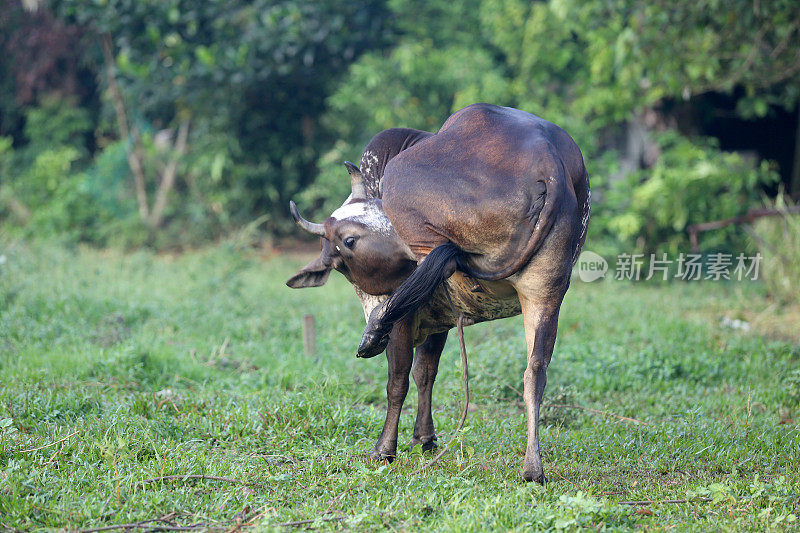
pixel 359 241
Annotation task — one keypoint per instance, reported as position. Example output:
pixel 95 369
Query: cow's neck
pixel 368 301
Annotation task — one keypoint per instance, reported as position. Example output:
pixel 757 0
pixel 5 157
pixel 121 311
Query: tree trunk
pixel 640 151
pixel 134 142
pixel 168 176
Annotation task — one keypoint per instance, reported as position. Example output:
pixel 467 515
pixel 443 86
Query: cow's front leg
pixel 541 323
pixel 426 365
pixel 399 354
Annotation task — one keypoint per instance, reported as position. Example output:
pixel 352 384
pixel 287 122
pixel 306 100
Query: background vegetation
pixel 171 123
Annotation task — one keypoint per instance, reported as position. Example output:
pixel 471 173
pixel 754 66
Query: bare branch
pixel 298 523
pixel 168 177
pixel 51 444
pixel 651 502
pixel 750 216
pixel 184 477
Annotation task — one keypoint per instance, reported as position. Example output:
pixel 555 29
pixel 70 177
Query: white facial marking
pixel 367 213
pixel 349 210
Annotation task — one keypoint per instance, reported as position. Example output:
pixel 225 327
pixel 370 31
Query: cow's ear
pixel 314 274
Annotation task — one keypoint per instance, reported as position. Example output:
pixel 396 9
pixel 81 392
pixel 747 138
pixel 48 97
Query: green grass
pixel 194 364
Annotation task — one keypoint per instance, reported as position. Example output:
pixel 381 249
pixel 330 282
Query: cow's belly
pixel 478 301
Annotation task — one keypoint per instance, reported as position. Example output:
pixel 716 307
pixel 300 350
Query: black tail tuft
pixel 414 292
pixel 418 288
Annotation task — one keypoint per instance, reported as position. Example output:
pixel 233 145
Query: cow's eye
pixel 349 242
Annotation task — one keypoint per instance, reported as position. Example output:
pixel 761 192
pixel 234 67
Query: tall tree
pixel 250 76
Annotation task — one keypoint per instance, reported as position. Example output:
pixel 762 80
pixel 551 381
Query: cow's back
pixel 477 183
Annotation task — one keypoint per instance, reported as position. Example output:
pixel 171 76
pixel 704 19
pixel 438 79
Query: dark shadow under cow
pixel 484 219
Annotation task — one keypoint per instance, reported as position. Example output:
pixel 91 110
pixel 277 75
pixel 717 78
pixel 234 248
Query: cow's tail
pixel 414 292
pixel 541 229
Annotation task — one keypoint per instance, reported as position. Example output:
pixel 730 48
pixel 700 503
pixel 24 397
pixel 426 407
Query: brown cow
pixel 484 219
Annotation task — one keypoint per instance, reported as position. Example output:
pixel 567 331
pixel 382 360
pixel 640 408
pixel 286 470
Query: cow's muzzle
pixel 372 343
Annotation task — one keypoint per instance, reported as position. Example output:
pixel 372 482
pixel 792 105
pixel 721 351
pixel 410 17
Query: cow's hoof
pixel 427 445
pixel 372 344
pixel 531 476
pixel 377 455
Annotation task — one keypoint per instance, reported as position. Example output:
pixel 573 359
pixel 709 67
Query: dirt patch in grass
pixel 776 322
pixel 773 320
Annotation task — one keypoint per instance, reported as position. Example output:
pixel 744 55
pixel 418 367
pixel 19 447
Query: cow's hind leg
pixel 541 322
pixel 399 355
pixel 426 365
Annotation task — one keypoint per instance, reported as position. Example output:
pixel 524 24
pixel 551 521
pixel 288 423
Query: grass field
pixel 116 369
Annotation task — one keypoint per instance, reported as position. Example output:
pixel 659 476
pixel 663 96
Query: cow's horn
pixel 311 227
pixel 356 181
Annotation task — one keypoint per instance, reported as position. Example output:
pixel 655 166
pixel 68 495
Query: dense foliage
pixel 246 79
pixel 273 95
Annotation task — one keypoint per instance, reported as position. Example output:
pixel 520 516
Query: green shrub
pixel 691 182
pixel 59 201
pixel 41 193
pixel 50 169
pixel 57 122
pixel 51 189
